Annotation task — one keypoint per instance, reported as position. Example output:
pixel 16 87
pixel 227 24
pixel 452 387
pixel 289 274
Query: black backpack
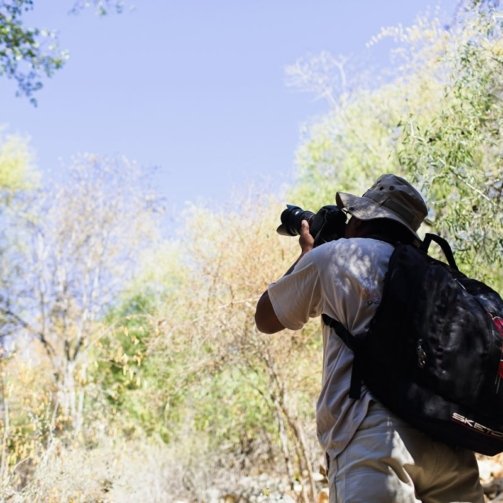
pixel 433 351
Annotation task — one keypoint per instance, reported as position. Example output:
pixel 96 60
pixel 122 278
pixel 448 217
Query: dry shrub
pixel 234 254
pixel 121 472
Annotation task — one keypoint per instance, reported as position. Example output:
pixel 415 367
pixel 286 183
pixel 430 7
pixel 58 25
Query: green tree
pixel 28 55
pixel 437 122
pixel 17 169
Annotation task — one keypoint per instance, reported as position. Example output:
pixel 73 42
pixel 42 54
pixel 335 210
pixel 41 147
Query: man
pixel 374 457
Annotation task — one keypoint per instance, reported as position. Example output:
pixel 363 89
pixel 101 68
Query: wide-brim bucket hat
pixel 390 197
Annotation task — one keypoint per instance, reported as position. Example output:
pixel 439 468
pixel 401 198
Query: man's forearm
pixel 265 316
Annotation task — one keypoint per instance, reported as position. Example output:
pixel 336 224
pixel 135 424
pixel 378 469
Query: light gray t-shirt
pixel 343 279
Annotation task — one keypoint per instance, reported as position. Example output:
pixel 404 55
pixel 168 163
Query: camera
pixel 325 225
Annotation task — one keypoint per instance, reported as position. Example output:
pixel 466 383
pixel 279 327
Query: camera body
pixel 325 225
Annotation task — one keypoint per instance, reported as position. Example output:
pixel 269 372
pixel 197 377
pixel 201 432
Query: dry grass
pixel 184 472
pixel 132 471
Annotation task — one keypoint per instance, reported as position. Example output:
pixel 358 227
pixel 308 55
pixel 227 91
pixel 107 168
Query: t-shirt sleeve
pixel 297 297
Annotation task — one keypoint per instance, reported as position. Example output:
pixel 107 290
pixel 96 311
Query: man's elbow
pixel 265 318
pixel 264 327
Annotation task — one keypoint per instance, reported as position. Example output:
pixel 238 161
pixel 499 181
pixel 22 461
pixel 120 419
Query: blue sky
pixel 194 87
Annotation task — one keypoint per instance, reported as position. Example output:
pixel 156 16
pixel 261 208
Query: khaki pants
pixel 388 461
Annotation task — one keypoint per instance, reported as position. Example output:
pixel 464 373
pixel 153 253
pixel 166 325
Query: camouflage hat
pixel 390 197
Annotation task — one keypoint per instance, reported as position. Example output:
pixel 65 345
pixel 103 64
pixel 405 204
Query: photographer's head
pixel 392 206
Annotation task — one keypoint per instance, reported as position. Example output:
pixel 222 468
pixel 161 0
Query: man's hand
pixel 306 241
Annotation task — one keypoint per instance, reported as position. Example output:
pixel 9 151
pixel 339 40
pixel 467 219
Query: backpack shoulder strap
pixel 341 331
pixel 444 245
pixel 352 343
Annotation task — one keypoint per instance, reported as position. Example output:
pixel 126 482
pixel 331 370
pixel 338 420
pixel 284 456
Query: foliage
pixel 101 7
pixel 233 260
pixel 438 123
pixel 129 366
pixel 137 366
pixel 188 360
pixel 126 373
pixel 28 55
pixel 17 171
pixel 79 242
pixel 456 154
pixel 27 420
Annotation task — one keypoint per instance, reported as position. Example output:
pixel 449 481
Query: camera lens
pixel 291 220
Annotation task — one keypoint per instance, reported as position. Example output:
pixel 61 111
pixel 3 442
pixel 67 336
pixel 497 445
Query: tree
pixel 28 55
pixel 17 170
pixel 251 393
pixel 79 244
pixel 17 177
pixel 437 122
pixel 184 359
pixel 101 7
pixel 139 382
